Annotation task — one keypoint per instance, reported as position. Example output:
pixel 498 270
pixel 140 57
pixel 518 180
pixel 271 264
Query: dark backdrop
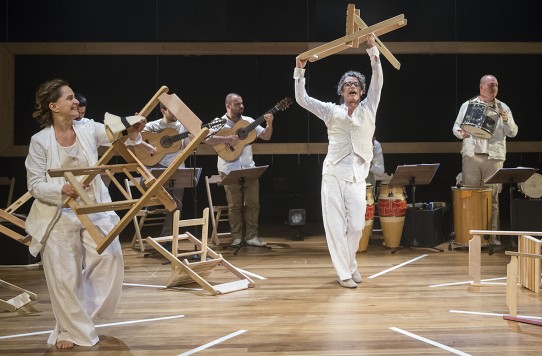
pixel 419 103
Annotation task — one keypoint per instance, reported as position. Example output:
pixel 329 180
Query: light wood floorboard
pixel 299 308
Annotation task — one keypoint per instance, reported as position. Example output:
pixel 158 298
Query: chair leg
pixel 137 239
pixel 512 286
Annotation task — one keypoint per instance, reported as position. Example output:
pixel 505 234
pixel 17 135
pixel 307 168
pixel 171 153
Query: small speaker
pixel 427 228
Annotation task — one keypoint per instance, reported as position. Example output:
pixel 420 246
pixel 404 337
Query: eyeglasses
pixel 352 84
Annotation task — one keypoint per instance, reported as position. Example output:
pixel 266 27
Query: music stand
pixel 242 176
pixel 511 176
pixel 182 178
pixel 413 175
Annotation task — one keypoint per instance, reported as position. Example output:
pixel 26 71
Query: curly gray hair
pixel 350 73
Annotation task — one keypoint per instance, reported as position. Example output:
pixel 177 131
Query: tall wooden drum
pixel 392 211
pixel 472 211
pixel 369 218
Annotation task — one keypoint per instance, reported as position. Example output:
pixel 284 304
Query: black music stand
pixel 413 175
pixel 511 176
pixel 242 176
pixel 182 178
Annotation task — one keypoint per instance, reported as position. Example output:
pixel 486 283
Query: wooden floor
pixel 297 307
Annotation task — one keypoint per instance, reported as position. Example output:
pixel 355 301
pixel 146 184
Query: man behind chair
pixel 81 108
pixel 234 112
pixel 483 157
pixel 169 121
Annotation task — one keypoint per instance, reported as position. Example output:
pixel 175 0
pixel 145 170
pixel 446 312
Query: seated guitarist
pixel 227 137
pixel 168 121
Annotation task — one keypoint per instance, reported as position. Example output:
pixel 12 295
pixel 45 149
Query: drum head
pixel 532 187
pixel 476 131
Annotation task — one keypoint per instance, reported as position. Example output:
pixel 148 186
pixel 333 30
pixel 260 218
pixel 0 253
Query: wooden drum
pixel 369 218
pixel 391 212
pixel 472 211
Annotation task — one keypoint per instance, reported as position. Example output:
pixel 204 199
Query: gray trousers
pixel 476 170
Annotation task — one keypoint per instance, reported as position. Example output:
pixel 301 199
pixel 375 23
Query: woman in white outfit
pixel 82 284
pixel 350 128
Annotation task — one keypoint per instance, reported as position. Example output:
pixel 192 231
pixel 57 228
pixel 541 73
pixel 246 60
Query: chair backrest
pixel 10 183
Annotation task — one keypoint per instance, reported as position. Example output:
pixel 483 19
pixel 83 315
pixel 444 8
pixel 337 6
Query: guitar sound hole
pixel 166 142
pixel 241 134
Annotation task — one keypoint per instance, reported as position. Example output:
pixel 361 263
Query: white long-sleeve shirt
pixel 495 146
pixel 350 137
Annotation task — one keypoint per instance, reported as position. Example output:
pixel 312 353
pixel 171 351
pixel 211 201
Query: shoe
pixel 236 242
pixel 348 283
pixel 255 241
pixel 356 277
pixel 496 241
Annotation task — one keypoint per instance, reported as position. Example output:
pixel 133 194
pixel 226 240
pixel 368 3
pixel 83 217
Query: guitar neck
pixel 260 120
pixel 179 137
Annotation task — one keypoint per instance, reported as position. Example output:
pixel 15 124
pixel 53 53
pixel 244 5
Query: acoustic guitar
pixel 166 141
pixel 245 131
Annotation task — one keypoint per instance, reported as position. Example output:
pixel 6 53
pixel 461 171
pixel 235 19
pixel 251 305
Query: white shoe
pixel 356 277
pixel 255 241
pixel 348 283
pixel 236 242
pixel 496 241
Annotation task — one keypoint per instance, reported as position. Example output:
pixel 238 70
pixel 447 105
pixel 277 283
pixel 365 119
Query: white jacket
pixel 42 156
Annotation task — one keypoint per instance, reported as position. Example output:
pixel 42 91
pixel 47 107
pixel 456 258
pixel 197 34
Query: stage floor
pixel 411 302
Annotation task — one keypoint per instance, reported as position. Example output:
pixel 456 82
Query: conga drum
pixel 472 211
pixel 392 211
pixel 369 218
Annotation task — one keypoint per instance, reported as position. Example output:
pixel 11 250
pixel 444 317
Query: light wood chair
pixel 527 278
pixel 219 213
pixel 185 272
pixel 24 297
pixel 153 192
pixel 145 217
pixel 17 220
pixel 475 249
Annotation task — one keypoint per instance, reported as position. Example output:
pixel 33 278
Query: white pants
pixel 343 212
pixel 82 284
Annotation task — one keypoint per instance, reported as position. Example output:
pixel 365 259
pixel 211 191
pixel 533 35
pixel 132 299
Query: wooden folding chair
pixel 19 300
pixel 525 239
pixel 144 218
pixel 17 220
pixel 153 192
pixel 185 272
pixel 357 32
pixel 219 213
